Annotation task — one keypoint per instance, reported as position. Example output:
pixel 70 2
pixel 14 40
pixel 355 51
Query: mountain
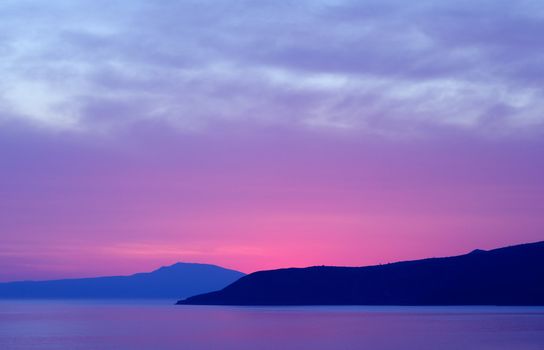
pixel 176 281
pixel 506 276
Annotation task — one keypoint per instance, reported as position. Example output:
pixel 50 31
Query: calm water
pixel 159 325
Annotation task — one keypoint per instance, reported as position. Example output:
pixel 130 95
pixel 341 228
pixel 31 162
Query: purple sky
pixel 264 134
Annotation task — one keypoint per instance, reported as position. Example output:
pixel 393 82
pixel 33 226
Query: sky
pixel 266 134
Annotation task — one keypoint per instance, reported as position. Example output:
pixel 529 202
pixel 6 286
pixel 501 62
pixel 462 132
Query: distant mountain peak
pixel 173 281
pixel 190 266
pixel 179 264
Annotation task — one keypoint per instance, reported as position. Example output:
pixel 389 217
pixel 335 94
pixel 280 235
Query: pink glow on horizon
pixel 253 204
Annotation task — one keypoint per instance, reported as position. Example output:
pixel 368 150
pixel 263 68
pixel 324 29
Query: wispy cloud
pixel 387 67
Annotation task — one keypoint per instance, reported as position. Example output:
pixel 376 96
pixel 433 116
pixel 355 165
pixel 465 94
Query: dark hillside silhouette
pixel 506 276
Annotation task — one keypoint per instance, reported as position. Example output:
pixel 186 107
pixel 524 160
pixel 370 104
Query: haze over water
pixel 160 325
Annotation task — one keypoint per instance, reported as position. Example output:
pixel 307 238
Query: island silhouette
pixel 506 276
pixel 175 281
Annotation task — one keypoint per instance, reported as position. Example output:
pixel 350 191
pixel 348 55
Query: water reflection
pixel 161 325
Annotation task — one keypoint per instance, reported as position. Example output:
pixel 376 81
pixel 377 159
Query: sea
pixel 159 324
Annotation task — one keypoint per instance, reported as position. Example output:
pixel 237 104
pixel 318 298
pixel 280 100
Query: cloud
pixel 381 67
